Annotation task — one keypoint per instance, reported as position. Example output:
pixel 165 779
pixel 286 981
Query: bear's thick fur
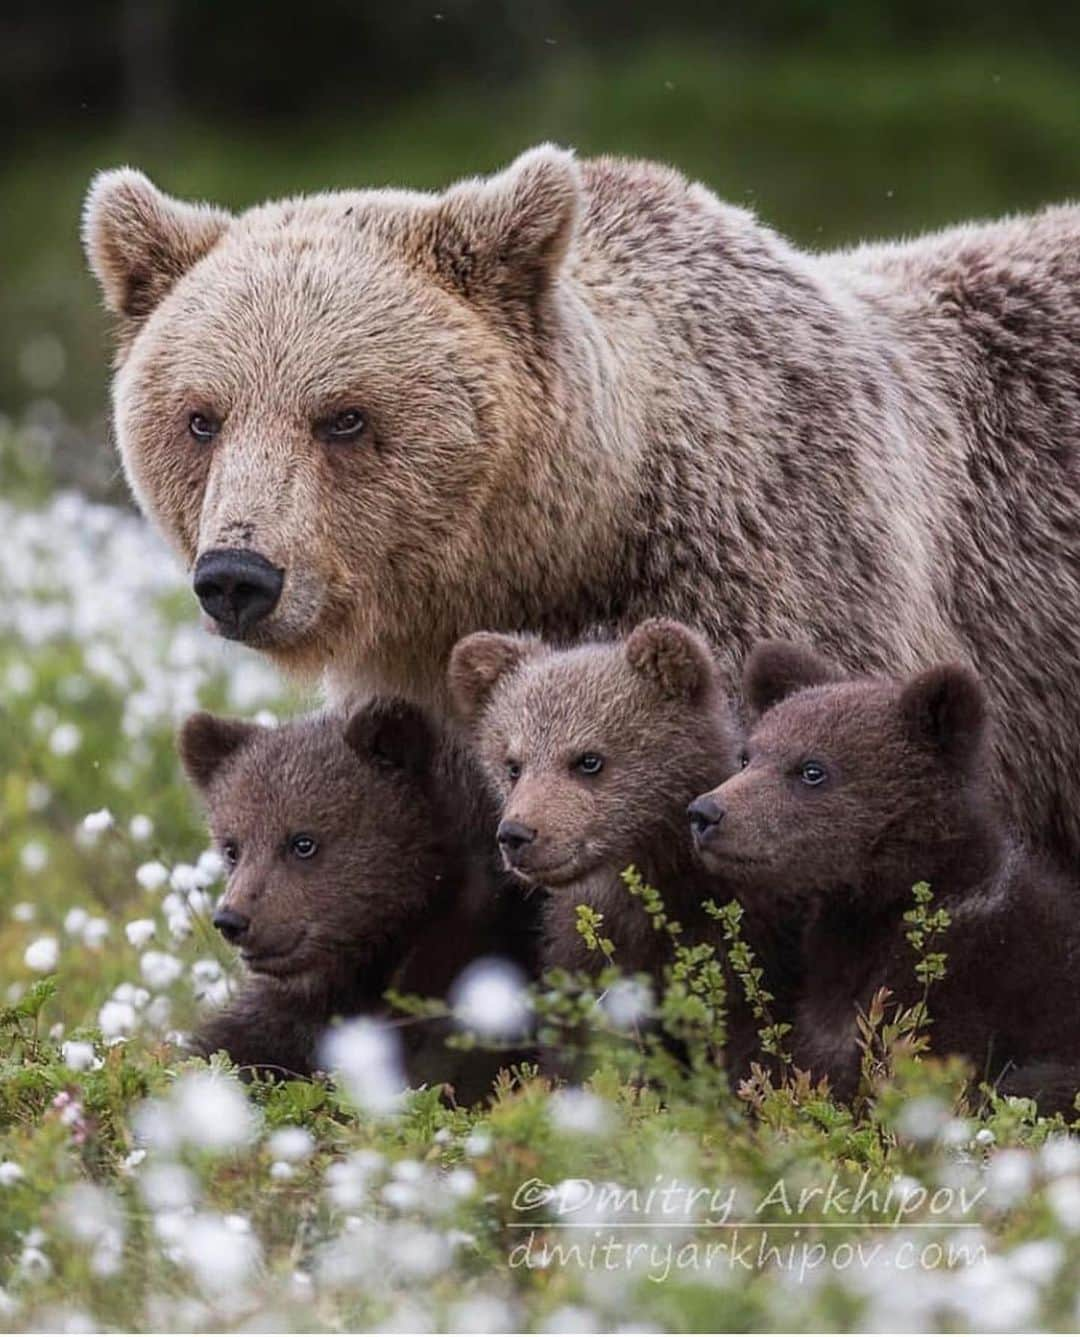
pixel 594 753
pixel 385 889
pixel 578 394
pixel 852 791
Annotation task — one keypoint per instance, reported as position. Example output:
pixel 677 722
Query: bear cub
pixel 852 791
pixel 347 874
pixel 594 753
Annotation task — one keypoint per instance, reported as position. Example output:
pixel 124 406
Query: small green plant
pixel 751 976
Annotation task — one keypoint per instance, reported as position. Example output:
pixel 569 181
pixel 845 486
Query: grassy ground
pixel 140 1190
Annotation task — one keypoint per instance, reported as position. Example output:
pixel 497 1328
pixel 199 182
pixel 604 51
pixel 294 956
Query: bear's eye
pixel 230 852
pixel 202 427
pixel 744 760
pixel 812 773
pixel 303 846
pixel 344 426
pixel 513 771
pixel 589 763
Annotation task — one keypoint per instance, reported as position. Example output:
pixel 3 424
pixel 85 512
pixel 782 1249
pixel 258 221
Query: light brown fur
pixel 594 393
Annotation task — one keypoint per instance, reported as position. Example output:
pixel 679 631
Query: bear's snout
pixel 513 838
pixel 231 924
pixel 237 588
pixel 705 814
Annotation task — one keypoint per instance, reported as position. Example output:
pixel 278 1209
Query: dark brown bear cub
pixel 348 873
pixel 594 752
pixel 850 793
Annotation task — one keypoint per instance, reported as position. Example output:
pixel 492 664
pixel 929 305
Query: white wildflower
pixel 75 919
pixel 94 932
pixel 160 969
pixel 94 823
pixel 1009 1177
pixel 282 1170
pixel 116 1019
pixel 150 876
pixel 210 866
pixel 923 1118
pixel 220 1259
pixel 628 1003
pixel 78 1055
pixel 489 997
pixel 139 932
pixel 10 1173
pixel 33 856
pixel 580 1112
pixel 478 1143
pixel 23 912
pixel 165 1187
pixel 1063 1195
pixel 42 954
pixel 140 828
pixel 64 740
pixel 212 1111
pixel 290 1144
pixel 367 1054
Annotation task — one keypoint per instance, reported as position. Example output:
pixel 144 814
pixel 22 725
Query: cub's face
pixel 593 752
pixel 330 837
pixel 316 399
pixel 840 780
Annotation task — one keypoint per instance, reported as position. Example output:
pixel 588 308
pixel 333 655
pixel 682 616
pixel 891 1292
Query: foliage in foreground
pixel 143 1190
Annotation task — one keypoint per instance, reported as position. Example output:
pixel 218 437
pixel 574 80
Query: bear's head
pixel 316 400
pixel 332 835
pixel 868 783
pixel 594 751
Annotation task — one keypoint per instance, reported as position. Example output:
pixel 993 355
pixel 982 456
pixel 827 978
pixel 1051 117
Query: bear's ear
pixel 138 242
pixel 776 669
pixel 503 239
pixel 206 741
pixel 477 664
pixel 394 734
pixel 673 658
pixel 944 709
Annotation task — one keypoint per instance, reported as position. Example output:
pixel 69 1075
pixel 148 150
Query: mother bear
pixel 579 393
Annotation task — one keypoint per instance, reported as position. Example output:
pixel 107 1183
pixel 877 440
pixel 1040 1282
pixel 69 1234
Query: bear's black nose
pixel 237 588
pixel 231 924
pixel 513 836
pixel 705 814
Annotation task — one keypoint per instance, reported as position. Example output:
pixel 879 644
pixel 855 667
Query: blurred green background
pixel 837 120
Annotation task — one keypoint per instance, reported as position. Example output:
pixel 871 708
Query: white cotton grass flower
pixel 166 1187
pixel 1009 1177
pixel 1063 1198
pixel 95 823
pixel 151 876
pixel 139 932
pixel 367 1055
pixel 116 1019
pixel 10 1173
pixel 348 1182
pixel 579 1112
pixel 210 866
pixel 75 920
pixel 33 857
pixel 220 1258
pixel 42 954
pixel 140 828
pixel 24 912
pixel 78 1055
pixel 923 1118
pixel 483 1313
pixel 160 969
pixel 64 740
pixel 290 1144
pixel 460 1182
pixel 478 1143
pixel 628 1003
pixel 1060 1156
pixel 212 1111
pixel 94 932
pixel 489 997
pixel 93 1216
pixel 571 1318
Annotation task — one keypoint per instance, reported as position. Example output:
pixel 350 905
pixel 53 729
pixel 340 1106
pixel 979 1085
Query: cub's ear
pixel 776 669
pixel 504 238
pixel 206 741
pixel 477 664
pixel 673 658
pixel 944 709
pixel 394 734
pixel 138 242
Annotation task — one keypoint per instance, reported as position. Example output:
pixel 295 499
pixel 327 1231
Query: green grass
pixel 135 1197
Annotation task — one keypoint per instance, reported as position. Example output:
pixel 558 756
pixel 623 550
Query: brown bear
pixel 581 393
pixel 594 753
pixel 851 792
pixel 350 870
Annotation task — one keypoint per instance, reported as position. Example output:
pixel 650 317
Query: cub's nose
pixel 236 588
pixel 705 815
pixel 513 838
pixel 231 924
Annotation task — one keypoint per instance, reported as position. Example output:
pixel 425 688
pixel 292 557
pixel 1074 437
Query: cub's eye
pixel 744 760
pixel 230 852
pixel 344 426
pixel 202 427
pixel 589 764
pixel 812 773
pixel 513 771
pixel 303 846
